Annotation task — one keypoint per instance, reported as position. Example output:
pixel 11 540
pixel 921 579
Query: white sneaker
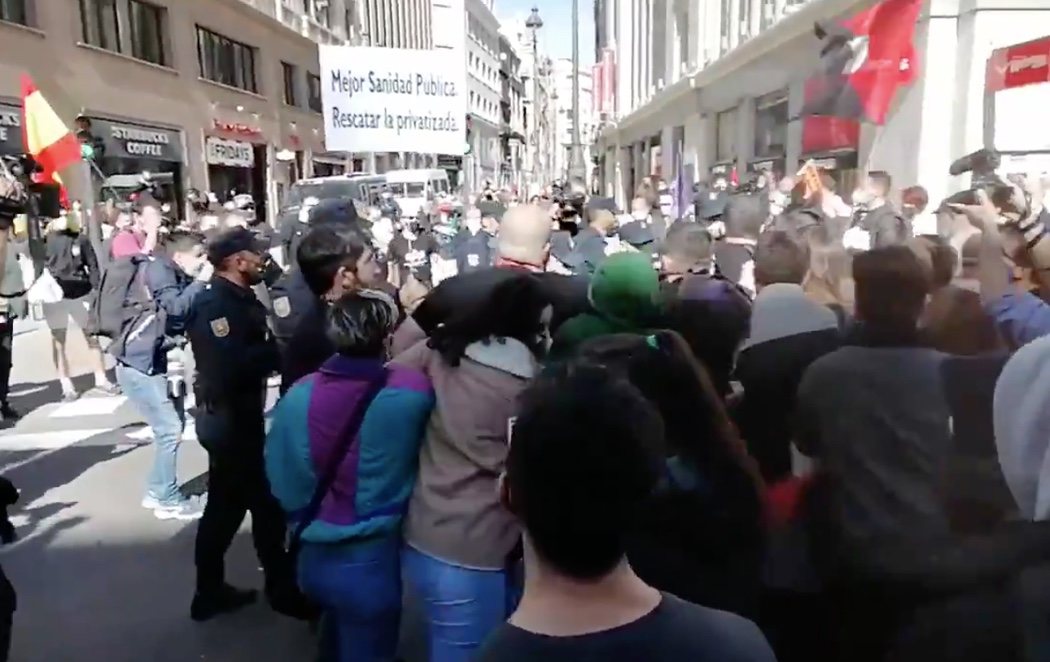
pixel 187 511
pixel 149 502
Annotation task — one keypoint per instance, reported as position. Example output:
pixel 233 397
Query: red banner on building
pixel 826 134
pixel 603 84
pixel 1019 65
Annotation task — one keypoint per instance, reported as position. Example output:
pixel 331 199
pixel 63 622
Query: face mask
pixel 861 198
pixel 639 215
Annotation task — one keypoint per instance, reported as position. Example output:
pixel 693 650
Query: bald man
pixel 523 244
pixel 524 238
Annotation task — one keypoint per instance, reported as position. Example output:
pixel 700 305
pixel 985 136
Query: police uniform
pixel 235 354
pixel 472 251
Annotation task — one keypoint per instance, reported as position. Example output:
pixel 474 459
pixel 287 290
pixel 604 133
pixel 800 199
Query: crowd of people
pixel 772 425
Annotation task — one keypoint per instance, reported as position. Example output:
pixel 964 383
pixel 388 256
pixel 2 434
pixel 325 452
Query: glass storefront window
pixel 771 122
pixel 725 134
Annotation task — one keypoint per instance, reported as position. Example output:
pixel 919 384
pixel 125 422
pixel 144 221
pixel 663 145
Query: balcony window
pixel 226 61
pixel 289 73
pixel 99 23
pixel 147 32
pixel 14 11
pixel 725 135
pixel 313 90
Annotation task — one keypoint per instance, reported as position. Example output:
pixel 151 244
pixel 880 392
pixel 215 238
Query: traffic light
pixel 92 147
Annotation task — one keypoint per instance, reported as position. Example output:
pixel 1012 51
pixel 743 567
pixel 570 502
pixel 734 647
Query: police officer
pixel 234 355
pixel 290 296
pixel 471 248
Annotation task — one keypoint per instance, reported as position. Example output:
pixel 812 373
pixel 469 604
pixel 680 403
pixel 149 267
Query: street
pixel 97 576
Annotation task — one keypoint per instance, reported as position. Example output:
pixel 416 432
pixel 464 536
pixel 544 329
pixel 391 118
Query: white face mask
pixel 862 198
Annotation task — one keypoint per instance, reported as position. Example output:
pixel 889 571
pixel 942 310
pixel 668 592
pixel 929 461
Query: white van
pixel 414 188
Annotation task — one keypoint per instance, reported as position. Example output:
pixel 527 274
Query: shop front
pixel 771 135
pixel 236 167
pixel 10 129
pixel 328 165
pixel 725 144
pixel 1017 85
pixel 132 148
pixel 832 144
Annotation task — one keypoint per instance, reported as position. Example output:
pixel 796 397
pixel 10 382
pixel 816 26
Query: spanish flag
pixel 47 139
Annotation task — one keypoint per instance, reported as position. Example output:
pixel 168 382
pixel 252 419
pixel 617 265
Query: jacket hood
pixel 783 310
pixel 626 288
pixel 504 354
pixel 1021 415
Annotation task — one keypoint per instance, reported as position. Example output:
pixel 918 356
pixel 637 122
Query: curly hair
pixel 517 308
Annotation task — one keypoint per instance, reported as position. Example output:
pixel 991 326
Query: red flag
pixel 865 59
pixel 46 137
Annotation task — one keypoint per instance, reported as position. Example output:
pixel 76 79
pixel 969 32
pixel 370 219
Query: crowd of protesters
pixel 774 424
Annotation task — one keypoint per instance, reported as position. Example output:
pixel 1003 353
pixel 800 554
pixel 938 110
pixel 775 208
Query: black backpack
pixel 121 297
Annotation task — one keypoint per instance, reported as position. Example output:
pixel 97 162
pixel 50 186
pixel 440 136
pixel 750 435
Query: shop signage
pixel 1019 65
pixel 233 153
pixel 234 127
pixel 766 166
pixel 10 129
pixel 827 134
pixel 138 141
pixel 721 169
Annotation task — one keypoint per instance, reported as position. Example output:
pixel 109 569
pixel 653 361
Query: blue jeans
pixel 149 394
pixel 359 587
pixel 462 605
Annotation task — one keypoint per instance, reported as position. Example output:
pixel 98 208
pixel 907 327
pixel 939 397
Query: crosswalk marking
pixel 88 407
pixel 35 441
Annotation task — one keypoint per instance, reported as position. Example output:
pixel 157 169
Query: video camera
pixel 154 184
pixel 983 164
pixel 18 191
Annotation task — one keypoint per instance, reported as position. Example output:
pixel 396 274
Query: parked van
pixel 414 188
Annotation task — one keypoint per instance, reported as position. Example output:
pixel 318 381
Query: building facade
pixel 224 94
pixel 538 106
pixel 564 117
pixel 712 85
pixel 482 163
pixel 512 141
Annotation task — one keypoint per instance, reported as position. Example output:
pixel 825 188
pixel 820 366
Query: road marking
pixel 41 441
pixel 88 407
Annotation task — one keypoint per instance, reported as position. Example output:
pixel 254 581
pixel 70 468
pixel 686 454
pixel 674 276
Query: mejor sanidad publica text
pixel 377 85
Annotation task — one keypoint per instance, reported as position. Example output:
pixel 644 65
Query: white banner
pixel 229 152
pixel 393 100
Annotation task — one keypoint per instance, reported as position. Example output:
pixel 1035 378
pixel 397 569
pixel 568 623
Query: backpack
pixel 121 297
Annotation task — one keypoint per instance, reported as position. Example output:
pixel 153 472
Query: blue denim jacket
pixel 1020 316
pixel 174 292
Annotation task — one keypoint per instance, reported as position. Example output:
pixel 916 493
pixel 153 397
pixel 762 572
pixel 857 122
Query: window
pixel 323 13
pixel 147 32
pixel 726 24
pixel 313 90
pixel 226 61
pixel 771 123
pixel 101 28
pixel 14 11
pixel 289 83
pixel 725 135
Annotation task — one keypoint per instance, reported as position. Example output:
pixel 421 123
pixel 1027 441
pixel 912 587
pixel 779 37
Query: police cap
pixel 233 241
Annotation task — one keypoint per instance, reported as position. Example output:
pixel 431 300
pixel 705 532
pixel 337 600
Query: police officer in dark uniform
pixel 235 354
pixel 472 248
pixel 290 297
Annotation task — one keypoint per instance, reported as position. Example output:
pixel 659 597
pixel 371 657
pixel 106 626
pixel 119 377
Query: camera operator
pixel 1013 231
pixel 12 290
pixel 159 301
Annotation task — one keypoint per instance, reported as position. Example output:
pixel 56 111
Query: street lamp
pixel 533 23
pixel 575 156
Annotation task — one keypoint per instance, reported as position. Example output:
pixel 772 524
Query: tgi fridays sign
pixel 233 153
pixel 10 129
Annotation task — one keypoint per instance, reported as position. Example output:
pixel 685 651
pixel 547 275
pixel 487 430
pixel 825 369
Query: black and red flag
pixel 864 60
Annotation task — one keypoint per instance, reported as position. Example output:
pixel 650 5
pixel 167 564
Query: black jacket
pixel 72 263
pixel 886 226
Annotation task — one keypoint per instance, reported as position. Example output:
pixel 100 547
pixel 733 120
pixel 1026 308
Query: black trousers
pixel 237 485
pixel 7 332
